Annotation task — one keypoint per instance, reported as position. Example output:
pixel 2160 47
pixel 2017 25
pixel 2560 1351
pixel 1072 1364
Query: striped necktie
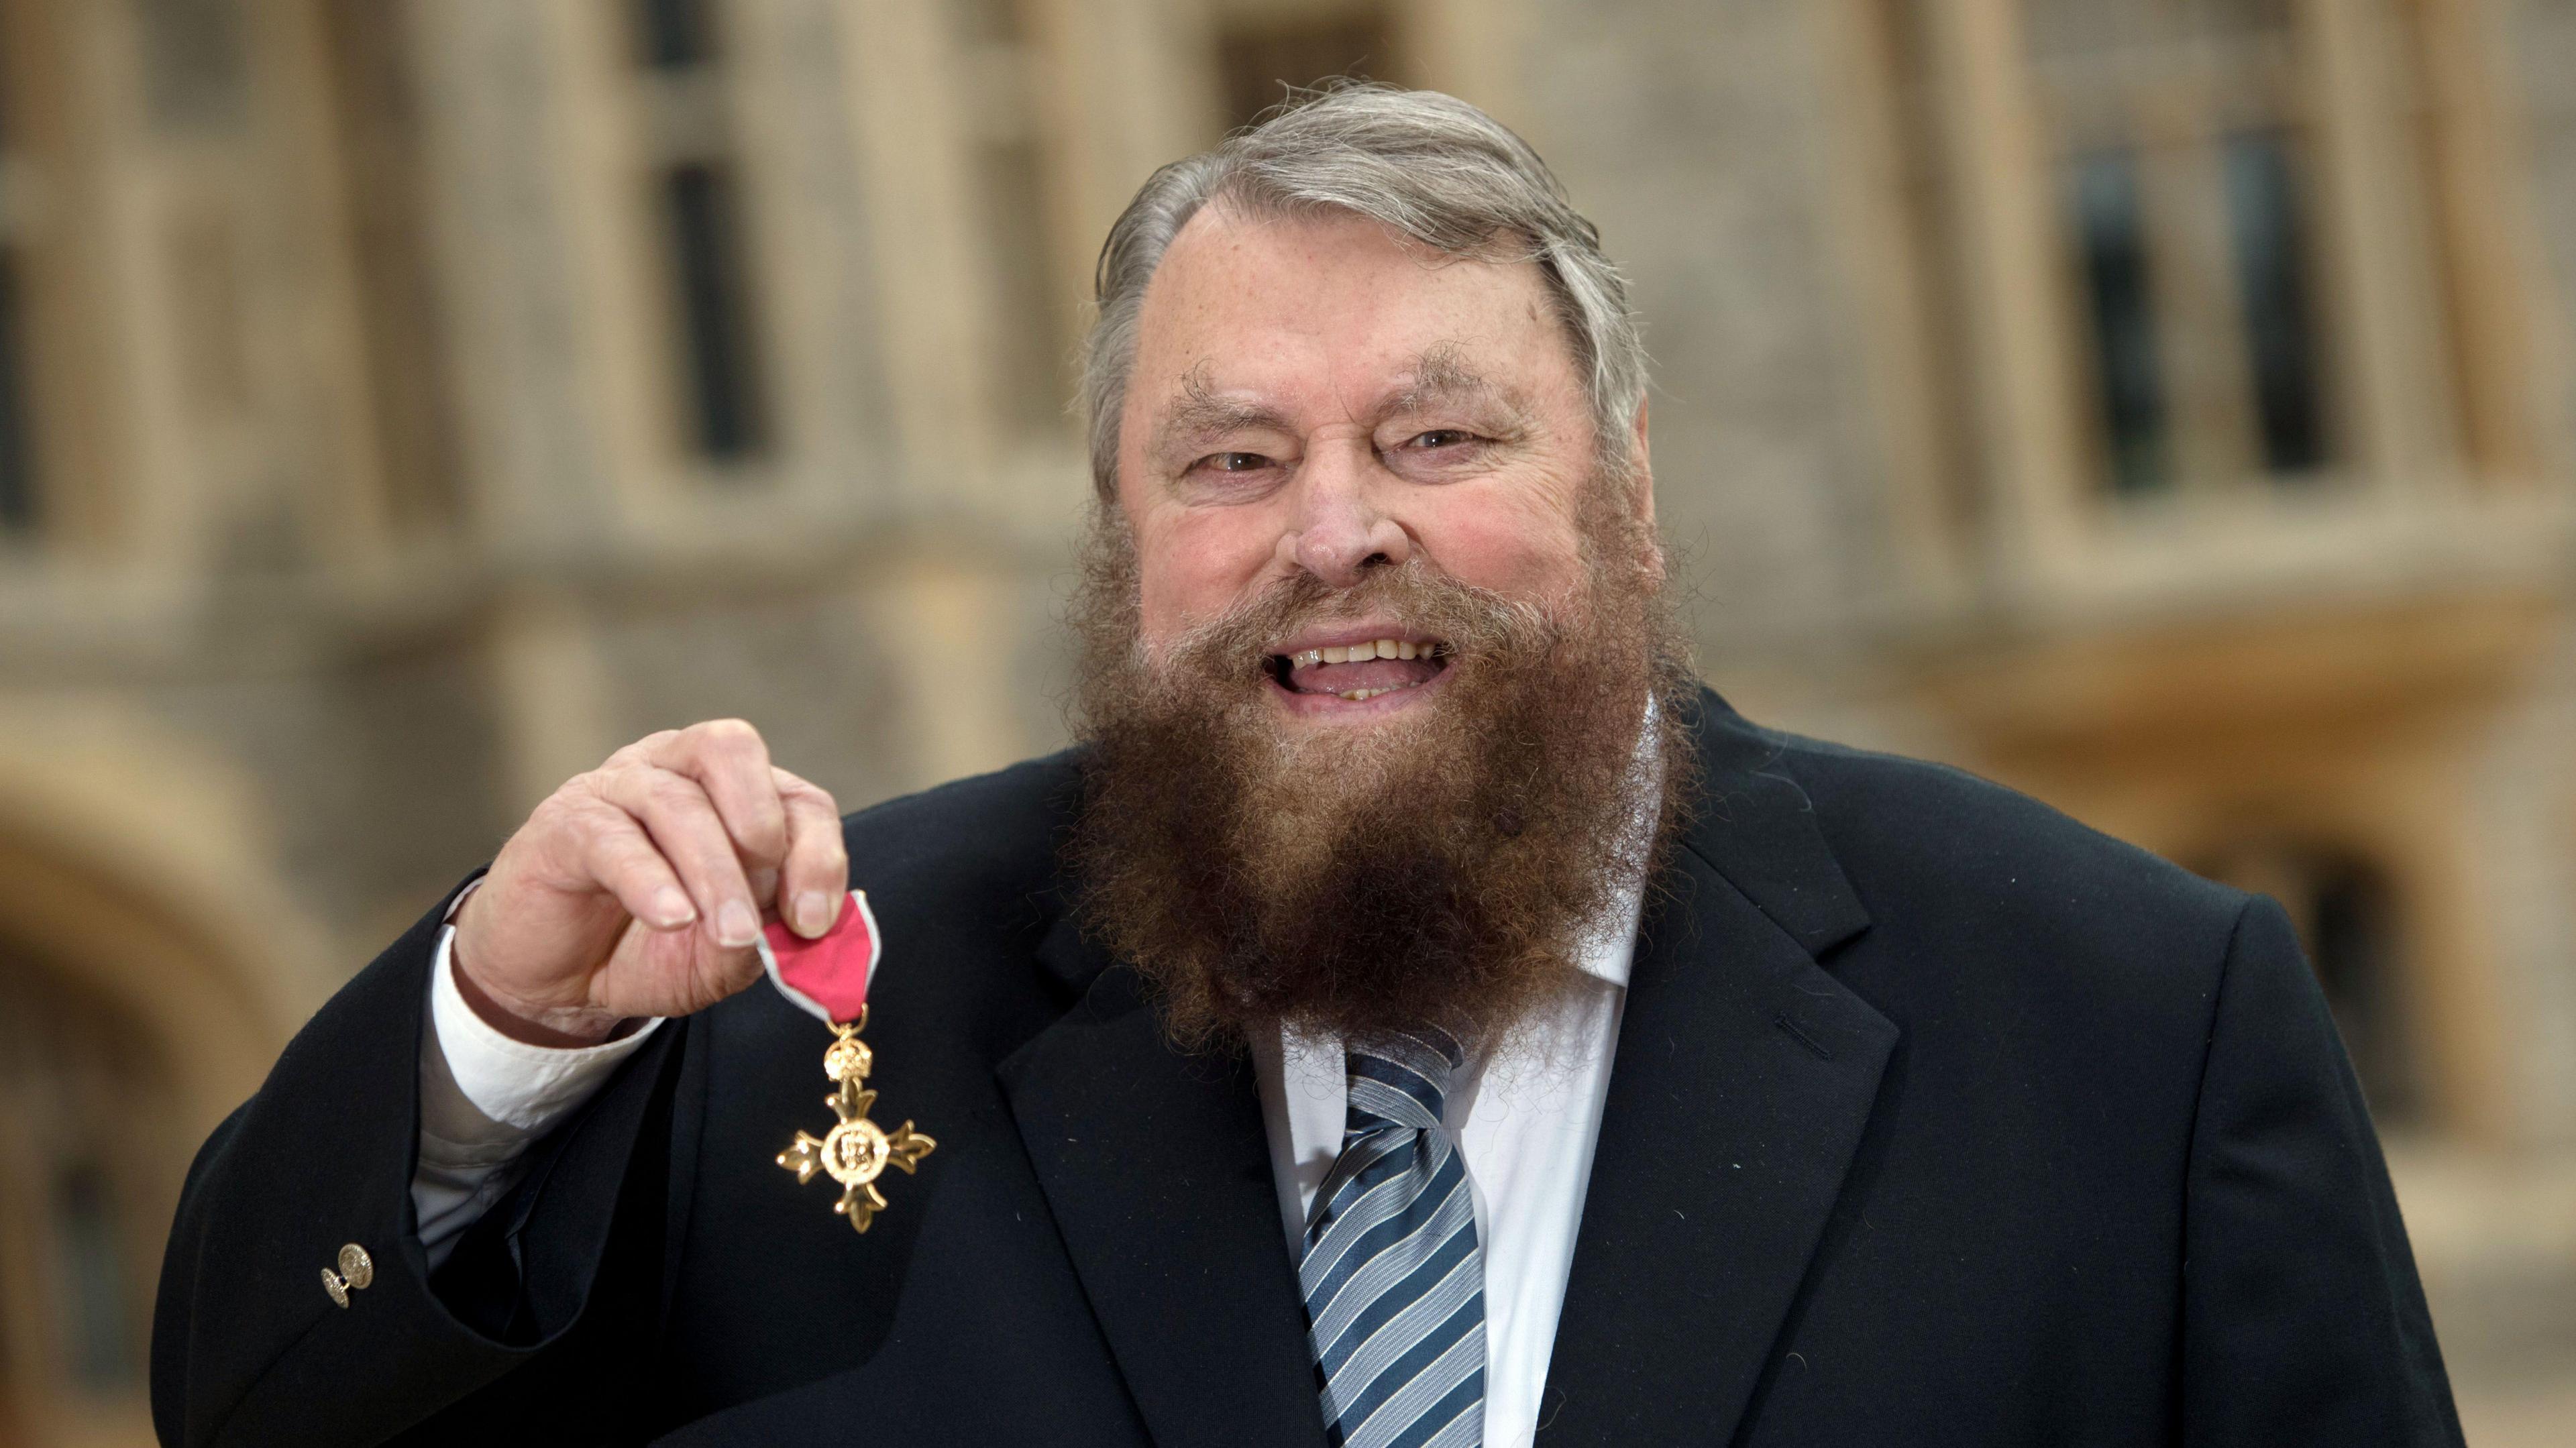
pixel 1393 1276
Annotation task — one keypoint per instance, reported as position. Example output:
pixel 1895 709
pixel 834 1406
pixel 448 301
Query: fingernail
pixel 736 926
pixel 671 908
pixel 813 912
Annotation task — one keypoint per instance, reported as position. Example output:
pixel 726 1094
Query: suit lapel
pixel 1744 1078
pixel 1157 1169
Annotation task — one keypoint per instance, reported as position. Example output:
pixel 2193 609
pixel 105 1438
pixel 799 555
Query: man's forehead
pixel 1448 367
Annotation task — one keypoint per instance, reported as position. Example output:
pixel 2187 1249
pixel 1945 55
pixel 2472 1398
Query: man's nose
pixel 1340 530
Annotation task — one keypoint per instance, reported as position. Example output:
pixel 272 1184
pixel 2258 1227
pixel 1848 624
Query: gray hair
pixel 1429 167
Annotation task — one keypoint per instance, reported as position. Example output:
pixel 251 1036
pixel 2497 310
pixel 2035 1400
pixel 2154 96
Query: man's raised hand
pixel 638 889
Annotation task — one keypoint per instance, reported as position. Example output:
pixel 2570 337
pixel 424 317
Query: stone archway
pixel 132 1020
pixel 89 1167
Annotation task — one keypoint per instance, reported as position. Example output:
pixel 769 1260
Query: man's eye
pixel 1440 437
pixel 1233 462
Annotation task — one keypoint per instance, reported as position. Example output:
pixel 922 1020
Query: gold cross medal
pixel 828 978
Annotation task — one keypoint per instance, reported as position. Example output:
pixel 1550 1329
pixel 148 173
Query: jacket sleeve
pixel 2303 1320
pixel 556 1284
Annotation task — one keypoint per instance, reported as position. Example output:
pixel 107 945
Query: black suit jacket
pixel 1935 1118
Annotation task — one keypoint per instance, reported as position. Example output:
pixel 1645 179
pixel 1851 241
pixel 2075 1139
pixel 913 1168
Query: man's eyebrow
pixel 1201 412
pixel 1442 374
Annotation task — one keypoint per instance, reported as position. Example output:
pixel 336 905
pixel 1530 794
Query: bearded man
pixel 1416 1013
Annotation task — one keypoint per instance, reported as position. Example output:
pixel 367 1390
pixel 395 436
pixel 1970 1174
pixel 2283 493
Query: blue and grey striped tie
pixel 1393 1276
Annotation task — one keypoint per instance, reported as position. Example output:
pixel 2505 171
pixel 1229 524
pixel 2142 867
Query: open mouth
pixel 1359 670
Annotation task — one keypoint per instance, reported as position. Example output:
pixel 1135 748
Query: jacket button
pixel 357 1269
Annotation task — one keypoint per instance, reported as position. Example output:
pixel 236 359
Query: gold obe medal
pixel 828 979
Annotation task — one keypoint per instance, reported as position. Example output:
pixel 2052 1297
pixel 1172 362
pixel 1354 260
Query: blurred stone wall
pixel 356 486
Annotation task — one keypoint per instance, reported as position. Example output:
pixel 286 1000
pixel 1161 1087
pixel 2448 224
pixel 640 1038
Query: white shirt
pixel 1525 1122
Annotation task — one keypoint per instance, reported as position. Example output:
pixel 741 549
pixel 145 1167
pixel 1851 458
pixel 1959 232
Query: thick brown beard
pixel 1439 868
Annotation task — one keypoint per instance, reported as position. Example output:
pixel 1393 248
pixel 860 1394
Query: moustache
pixel 1461 624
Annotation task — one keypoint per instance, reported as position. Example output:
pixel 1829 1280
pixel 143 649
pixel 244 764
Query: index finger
pixel 730 761
pixel 814 883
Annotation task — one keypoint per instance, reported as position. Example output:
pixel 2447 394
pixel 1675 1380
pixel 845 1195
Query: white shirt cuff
pixel 484 1098
pixel 509 1084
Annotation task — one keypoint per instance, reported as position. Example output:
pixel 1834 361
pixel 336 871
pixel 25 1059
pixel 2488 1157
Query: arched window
pixel 88 1169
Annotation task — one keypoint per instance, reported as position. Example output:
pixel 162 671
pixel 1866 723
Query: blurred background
pixel 2164 406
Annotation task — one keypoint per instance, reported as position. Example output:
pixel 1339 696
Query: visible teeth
pixel 1362 695
pixel 1362 653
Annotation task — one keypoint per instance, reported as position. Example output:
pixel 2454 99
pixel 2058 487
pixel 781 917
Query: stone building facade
pixel 2166 406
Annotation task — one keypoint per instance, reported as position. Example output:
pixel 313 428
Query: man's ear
pixel 1641 501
